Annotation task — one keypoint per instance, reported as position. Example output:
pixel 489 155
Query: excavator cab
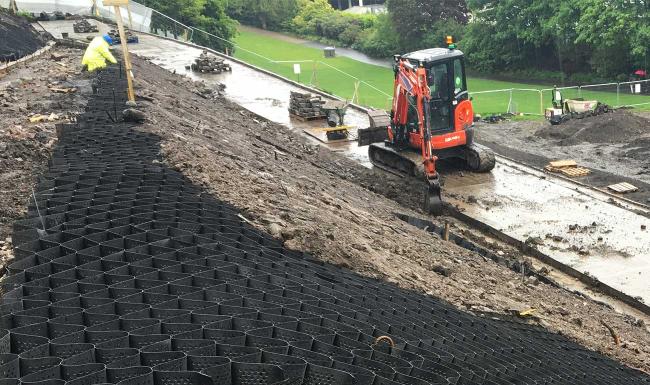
pixel 445 69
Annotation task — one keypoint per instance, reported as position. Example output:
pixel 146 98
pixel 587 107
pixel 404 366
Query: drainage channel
pixel 515 265
pixel 127 273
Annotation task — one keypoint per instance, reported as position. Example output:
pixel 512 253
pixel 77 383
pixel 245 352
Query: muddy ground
pixel 318 201
pixel 28 91
pixel 615 146
pixel 17 37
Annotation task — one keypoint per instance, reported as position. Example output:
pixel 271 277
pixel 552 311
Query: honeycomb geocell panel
pixel 141 278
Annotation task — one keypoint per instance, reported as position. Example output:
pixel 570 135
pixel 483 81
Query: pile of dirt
pixel 17 37
pixel 318 201
pixel 616 127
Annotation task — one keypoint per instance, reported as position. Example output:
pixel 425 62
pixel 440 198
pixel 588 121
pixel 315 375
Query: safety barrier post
pixel 355 94
pixel 618 94
pixel 510 108
pixel 314 75
pixel 541 102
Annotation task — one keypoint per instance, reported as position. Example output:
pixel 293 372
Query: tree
pixel 207 15
pixel 618 31
pixel 266 14
pixel 414 19
pixel 601 37
pixel 310 13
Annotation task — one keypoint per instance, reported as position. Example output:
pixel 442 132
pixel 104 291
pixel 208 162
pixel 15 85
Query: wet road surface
pixel 260 93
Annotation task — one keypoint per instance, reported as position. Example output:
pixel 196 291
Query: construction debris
pixel 63 90
pixel 563 163
pixel 567 167
pixel 617 339
pixel 623 188
pixel 306 106
pixel 115 35
pixel 83 26
pixel 133 115
pixel 207 63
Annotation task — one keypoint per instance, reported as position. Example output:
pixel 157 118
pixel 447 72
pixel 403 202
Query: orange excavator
pixel 432 118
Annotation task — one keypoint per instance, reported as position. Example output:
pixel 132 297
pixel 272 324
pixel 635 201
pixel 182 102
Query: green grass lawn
pixel 337 76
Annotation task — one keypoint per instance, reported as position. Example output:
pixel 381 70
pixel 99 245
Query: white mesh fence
pixel 516 101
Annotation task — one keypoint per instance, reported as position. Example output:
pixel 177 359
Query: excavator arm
pixel 412 81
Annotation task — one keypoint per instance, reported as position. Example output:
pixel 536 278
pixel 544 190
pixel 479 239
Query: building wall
pixel 345 4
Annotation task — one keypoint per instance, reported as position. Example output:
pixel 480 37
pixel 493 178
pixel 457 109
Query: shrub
pixel 350 35
pixel 380 40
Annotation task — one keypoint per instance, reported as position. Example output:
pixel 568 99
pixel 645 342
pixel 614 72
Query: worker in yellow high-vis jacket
pixel 98 53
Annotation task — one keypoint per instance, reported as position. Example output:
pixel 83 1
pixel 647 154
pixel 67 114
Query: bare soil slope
pixel 25 146
pixel 317 201
pixel 17 37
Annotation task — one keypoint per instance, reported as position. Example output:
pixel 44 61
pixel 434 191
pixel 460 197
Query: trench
pixel 127 273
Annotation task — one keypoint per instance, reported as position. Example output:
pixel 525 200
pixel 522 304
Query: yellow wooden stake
pixel 127 60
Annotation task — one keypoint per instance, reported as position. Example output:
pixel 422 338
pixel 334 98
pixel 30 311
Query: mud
pixel 317 200
pixel 620 159
pixel 620 126
pixel 25 146
pixel 17 37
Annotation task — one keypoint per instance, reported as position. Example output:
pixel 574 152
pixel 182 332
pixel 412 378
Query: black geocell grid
pixel 143 279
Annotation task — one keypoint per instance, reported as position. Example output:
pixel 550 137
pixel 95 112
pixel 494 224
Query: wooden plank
pixel 623 187
pixel 563 163
pixel 575 171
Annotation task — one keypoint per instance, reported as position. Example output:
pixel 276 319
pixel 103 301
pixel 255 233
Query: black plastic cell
pixel 256 374
pixel 180 378
pixel 319 375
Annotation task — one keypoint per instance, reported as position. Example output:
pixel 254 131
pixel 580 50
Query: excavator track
pixel 388 159
pixel 479 158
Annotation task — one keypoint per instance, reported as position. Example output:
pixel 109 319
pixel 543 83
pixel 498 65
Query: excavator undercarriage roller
pixel 479 158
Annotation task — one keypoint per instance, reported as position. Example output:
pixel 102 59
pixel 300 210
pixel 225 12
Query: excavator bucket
pixel 433 200
pixel 367 136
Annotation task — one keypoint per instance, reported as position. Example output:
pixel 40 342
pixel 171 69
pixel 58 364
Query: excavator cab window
pixel 438 81
pixel 459 77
